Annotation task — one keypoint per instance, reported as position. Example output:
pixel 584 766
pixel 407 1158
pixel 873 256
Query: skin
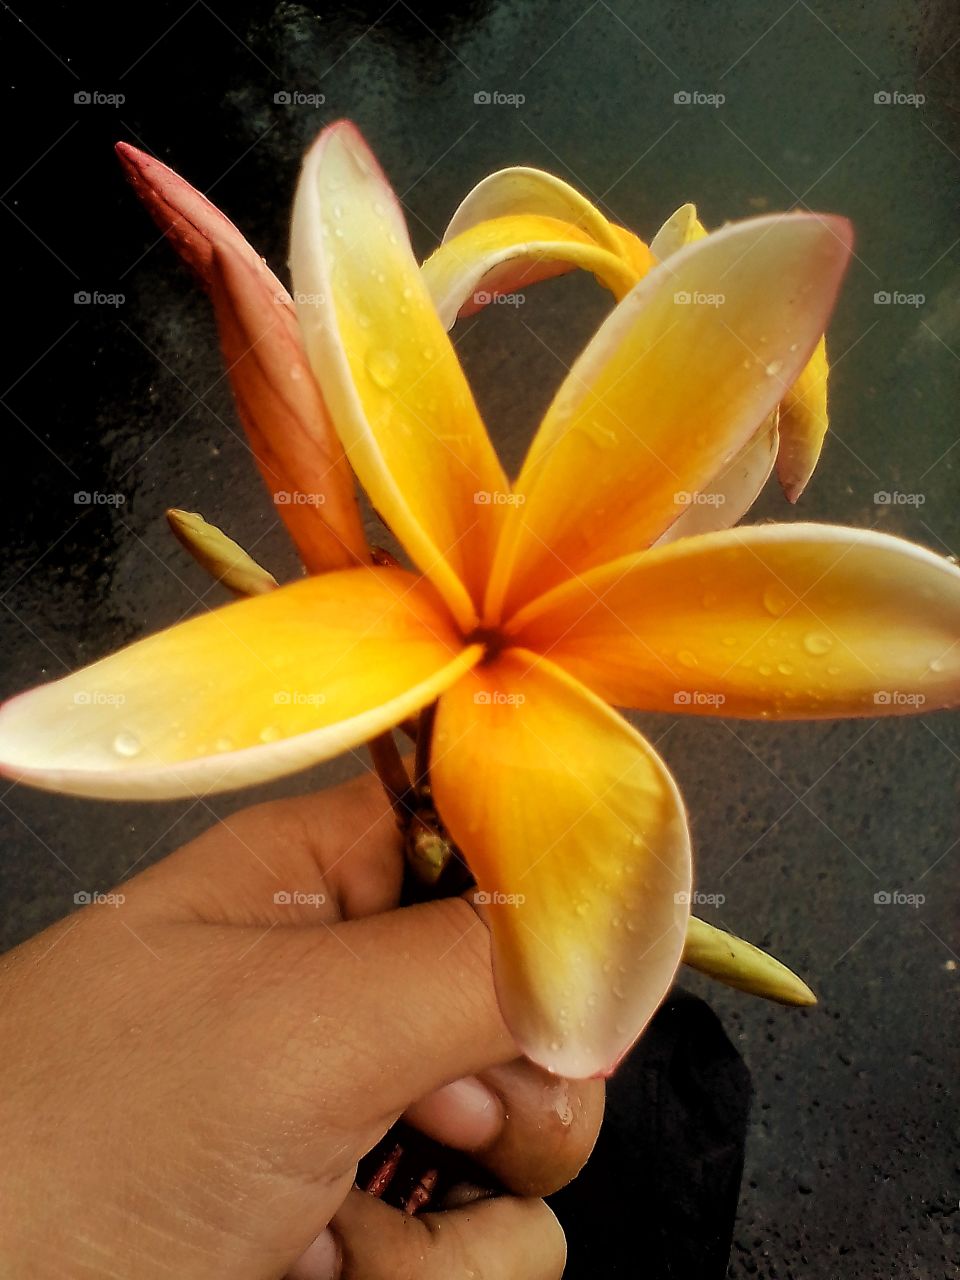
pixel 188 1079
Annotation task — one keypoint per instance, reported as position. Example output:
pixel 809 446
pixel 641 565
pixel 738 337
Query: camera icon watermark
pixel 894 98
pixel 894 498
pixel 496 98
pixel 93 898
pixel 296 98
pixel 696 98
pixel 896 898
pixel 898 698
pixel 697 899
pixel 494 898
pixel 297 898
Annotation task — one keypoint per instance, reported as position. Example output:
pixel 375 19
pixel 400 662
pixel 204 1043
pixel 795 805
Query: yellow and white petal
pixel 728 497
pixel 803 425
pixel 789 622
pixel 682 228
pixel 388 373
pixel 504 255
pixel 522 190
pixel 674 384
pixel 242 694
pixel 577 836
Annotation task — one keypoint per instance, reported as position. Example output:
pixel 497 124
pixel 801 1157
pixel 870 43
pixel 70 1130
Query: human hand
pixel 190 1078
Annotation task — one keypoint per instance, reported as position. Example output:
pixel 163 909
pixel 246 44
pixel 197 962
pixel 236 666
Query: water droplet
pixel 775 601
pixel 600 433
pixel 338 210
pixel 224 744
pixel 581 908
pixel 383 367
pixel 785 668
pixel 773 368
pixel 765 669
pixel 296 372
pixel 937 664
pixel 817 643
pixel 555 1046
pixel 687 659
pixel 269 733
pixel 592 1000
pixel 794 346
pixel 338 232
pixel 126 744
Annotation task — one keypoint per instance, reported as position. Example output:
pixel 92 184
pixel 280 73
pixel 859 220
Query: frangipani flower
pixel 521 225
pixel 532 605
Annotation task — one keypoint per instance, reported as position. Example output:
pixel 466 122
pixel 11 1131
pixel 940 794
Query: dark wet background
pixel 852 1155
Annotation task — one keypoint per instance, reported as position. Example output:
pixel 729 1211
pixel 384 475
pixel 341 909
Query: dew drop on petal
pixel 785 668
pixel 817 643
pixel 383 367
pixel 127 744
pixel 224 744
pixel 687 659
pixel 269 733
pixel 775 601
pixel 937 664
pixel 773 368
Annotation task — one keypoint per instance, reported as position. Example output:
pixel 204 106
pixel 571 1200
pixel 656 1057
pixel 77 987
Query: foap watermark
pixel 297 898
pixel 898 698
pixel 696 298
pixel 897 898
pixel 895 498
pixel 497 98
pixel 698 698
pixel 98 698
pixel 897 298
pixel 302 299
pixel 95 298
pixel 698 899
pixel 498 498
pixel 697 98
pixel 895 98
pixel 494 898
pixel 484 298
pixel 97 98
pixel 683 498
pixel 297 498
pixel 297 98
pixel 94 898
pixel 298 698
pixel 497 698
pixel 94 498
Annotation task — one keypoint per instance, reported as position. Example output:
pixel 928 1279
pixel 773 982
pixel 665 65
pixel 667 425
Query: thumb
pixel 375 1013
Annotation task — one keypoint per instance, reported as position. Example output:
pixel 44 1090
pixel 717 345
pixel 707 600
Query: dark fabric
pixel 658 1197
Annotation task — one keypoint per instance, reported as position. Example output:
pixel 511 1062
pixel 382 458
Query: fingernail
pixel 465 1114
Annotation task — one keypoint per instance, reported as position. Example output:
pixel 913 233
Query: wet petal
pixel 797 621
pixel 577 836
pixel 388 373
pixel 506 254
pixel 803 425
pixel 242 694
pixel 673 385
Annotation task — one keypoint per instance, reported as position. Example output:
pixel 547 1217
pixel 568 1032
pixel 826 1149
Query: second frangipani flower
pixel 534 604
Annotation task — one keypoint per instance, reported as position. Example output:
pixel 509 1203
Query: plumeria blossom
pixel 533 605
pixel 522 225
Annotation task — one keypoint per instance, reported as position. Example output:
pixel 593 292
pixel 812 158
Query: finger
pixel 501 1239
pixel 533 1130
pixel 306 860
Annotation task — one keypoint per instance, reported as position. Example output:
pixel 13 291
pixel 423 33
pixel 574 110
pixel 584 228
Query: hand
pixel 190 1077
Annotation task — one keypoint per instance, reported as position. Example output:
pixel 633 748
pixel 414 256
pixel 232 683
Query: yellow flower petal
pixel 803 425
pixel 682 228
pixel 245 693
pixel 504 255
pixel 673 385
pixel 730 495
pixel 798 621
pixel 522 190
pixel 398 397
pixel 577 836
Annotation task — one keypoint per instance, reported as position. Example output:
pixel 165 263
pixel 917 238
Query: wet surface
pixel 851 1160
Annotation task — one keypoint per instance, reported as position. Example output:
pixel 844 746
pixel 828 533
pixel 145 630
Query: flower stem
pixel 393 775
